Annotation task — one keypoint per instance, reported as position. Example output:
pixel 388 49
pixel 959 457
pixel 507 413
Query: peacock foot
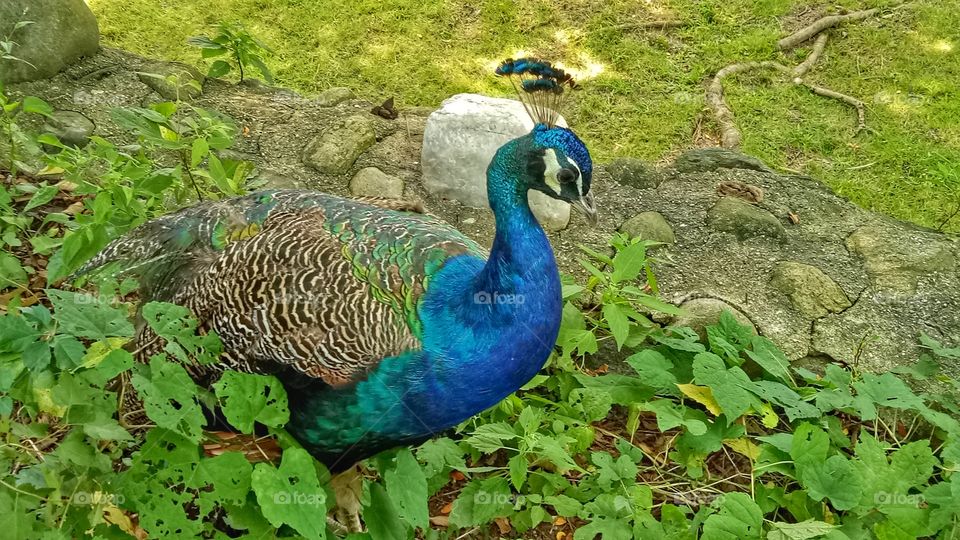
pixel 346 488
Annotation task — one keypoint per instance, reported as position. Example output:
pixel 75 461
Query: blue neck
pixel 490 326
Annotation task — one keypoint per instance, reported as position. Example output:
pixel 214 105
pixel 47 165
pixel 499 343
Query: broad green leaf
pixel 247 398
pixel 32 104
pixel 834 479
pixel 654 369
pixel 198 151
pixel 43 195
pixel 291 494
pixel 629 262
pixel 381 517
pixel 169 397
pixel 617 321
pixel 481 501
pixel 805 530
pixel 407 489
pixel 771 359
pixel 87 316
pixel 731 387
pixel 491 437
pixel 738 518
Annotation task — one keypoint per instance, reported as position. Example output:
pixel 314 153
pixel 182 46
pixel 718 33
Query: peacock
pixel 385 324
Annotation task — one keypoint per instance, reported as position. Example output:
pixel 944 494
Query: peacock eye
pixel 566 176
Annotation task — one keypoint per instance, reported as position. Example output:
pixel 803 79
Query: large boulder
pixel 459 142
pixel 60 32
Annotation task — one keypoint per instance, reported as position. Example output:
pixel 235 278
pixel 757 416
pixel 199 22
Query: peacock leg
pixel 346 487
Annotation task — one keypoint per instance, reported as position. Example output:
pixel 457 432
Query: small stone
pixel 336 149
pixel 744 220
pixel 172 80
pixel 699 313
pixel 711 159
pixel 62 32
pixel 649 226
pixel 333 96
pixel 896 259
pixel 70 127
pixel 634 173
pixel 372 182
pixel 811 291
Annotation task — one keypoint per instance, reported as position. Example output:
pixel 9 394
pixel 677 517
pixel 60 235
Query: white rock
pixel 459 142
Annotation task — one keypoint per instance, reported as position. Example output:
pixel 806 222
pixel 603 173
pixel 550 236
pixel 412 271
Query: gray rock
pixel 333 96
pixel 811 291
pixel 649 226
pixel 372 182
pixel 71 127
pixel 738 217
pixel 459 142
pixel 895 260
pixel 338 147
pixel 634 173
pixel 710 159
pixel 172 80
pixel 62 32
pixel 699 313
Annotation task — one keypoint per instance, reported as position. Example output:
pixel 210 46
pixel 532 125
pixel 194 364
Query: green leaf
pixel 43 195
pixel 36 357
pixel 32 104
pixel 291 494
pixel 248 398
pixel 731 387
pixel 623 390
pixel 481 501
pixel 491 437
pixel 834 479
pixel 629 262
pixel 198 151
pixel 168 395
pixel 11 272
pixel 86 316
pixel 219 68
pixel 177 326
pixel 407 489
pixel 771 359
pixel 653 369
pixel 618 322
pixel 739 518
pixel 809 446
pixel 381 516
pixel 805 530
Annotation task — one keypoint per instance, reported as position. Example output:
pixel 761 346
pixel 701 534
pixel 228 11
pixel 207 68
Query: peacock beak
pixel 585 205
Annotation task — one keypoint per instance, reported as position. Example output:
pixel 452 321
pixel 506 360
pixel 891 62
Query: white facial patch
pixel 579 175
pixel 552 169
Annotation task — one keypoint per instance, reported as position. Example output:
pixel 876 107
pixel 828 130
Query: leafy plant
pixel 243 49
pixel 19 143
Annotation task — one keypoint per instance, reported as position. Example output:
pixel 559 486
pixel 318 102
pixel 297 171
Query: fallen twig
pixel 730 136
pixel 820 25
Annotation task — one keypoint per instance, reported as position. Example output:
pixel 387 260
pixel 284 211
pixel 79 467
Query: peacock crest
pixel 540 86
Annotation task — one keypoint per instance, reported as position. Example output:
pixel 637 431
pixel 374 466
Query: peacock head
pixel 558 163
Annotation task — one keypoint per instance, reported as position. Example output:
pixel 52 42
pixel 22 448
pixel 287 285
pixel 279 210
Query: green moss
pixel 648 95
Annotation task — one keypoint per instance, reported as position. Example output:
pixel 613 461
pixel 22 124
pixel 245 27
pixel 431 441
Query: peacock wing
pixel 323 286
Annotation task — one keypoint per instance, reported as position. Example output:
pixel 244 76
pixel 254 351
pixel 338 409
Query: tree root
pixel 852 101
pixel 822 24
pixel 730 135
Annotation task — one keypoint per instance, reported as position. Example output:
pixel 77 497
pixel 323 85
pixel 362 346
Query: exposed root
pixel 852 101
pixel 804 67
pixel 820 25
pixel 730 135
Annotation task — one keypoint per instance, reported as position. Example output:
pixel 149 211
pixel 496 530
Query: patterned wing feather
pixel 294 280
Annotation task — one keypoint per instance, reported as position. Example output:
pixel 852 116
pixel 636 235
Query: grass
pixel 643 89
